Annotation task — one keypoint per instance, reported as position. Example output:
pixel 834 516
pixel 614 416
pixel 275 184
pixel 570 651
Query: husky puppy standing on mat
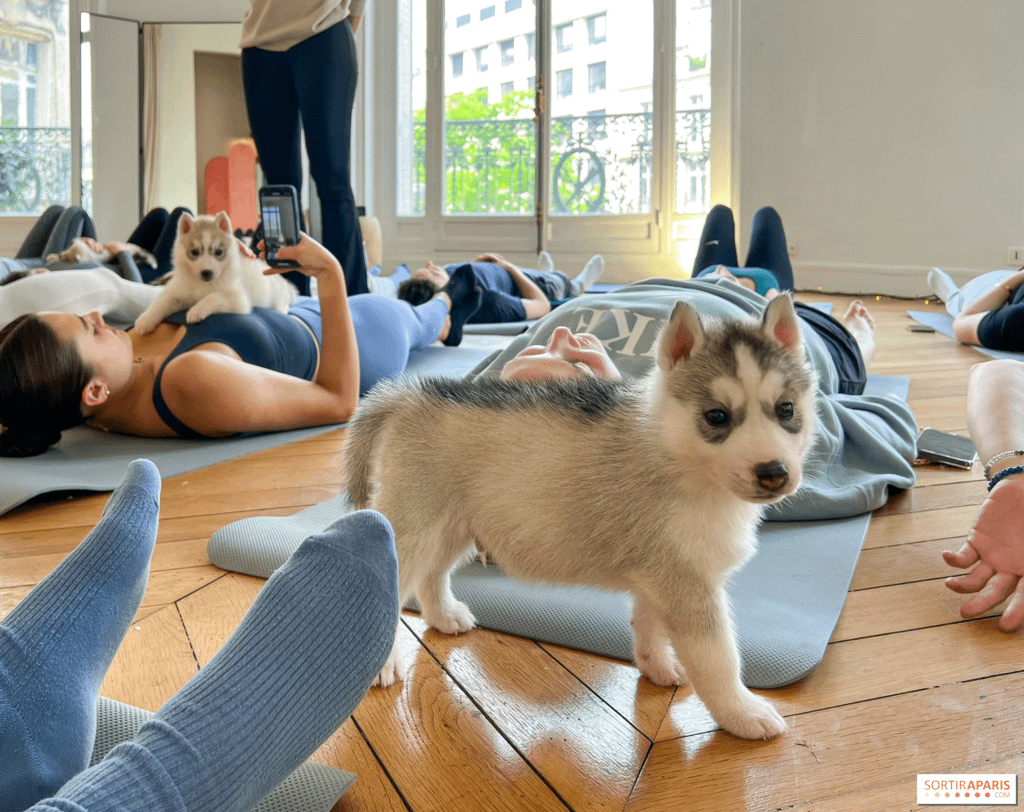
pixel 654 486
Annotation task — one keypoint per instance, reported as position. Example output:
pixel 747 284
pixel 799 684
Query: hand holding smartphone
pixel 279 208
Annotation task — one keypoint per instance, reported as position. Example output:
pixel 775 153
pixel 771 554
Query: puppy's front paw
pixel 146 324
pixel 455 619
pixel 752 717
pixel 392 672
pixel 197 313
pixel 661 668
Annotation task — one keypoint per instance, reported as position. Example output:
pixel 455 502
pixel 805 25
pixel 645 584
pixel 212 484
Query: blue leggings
pixel 315 82
pixel 387 331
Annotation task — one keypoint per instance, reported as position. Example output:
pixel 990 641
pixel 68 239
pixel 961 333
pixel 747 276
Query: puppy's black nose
pixel 772 476
pixel 206 276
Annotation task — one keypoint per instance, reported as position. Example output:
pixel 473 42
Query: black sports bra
pixel 264 338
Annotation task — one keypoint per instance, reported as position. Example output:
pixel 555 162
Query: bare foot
pixel 858 321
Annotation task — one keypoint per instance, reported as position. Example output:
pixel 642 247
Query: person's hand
pixel 565 356
pixel 995 548
pixel 314 260
pixel 497 259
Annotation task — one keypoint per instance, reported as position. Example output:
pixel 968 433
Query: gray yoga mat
pixel 786 600
pixel 943 323
pixel 93 461
pixel 312 787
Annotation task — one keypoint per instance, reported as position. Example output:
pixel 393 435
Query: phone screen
pixel 279 226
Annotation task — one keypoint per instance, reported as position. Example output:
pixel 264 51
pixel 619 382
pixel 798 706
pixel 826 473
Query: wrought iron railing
pixel 600 164
pixel 35 168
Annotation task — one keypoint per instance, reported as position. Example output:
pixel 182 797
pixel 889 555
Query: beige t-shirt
pixel 277 25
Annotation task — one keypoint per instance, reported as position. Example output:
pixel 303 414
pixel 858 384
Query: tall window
pixel 35 106
pixel 599 154
pixel 457 64
pixel 693 115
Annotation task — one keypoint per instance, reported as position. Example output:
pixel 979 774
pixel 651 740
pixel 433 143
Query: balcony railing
pixel 35 168
pixel 600 164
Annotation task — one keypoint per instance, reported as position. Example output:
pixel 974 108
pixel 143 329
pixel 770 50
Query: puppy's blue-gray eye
pixel 717 417
pixel 784 411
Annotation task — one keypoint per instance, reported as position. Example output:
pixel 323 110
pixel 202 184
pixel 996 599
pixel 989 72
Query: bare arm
pixel 995 543
pixel 965 326
pixel 535 301
pixel 219 395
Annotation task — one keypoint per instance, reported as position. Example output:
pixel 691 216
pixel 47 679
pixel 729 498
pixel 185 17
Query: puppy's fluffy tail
pixel 363 434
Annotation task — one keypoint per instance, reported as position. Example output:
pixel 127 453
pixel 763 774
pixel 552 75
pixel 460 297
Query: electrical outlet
pixel 793 249
pixel 1015 256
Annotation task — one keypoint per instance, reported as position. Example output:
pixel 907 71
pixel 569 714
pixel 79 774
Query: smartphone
pixel 946 448
pixel 279 208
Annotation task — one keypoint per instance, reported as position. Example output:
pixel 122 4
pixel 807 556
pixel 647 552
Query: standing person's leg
pixel 32 246
pixel 717 241
pixel 387 330
pixel 326 72
pixel 272 105
pixel 57 644
pixel 768 248
pixel 296 667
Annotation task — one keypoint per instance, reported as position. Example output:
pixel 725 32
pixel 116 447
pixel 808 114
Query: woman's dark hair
pixel 417 291
pixel 41 383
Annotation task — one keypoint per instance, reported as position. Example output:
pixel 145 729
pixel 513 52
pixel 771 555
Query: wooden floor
pixel 491 722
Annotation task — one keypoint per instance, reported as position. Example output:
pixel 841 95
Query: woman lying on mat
pixel 865 443
pixel 767 269
pixel 988 311
pixel 285 680
pixel 225 375
pixel 995 543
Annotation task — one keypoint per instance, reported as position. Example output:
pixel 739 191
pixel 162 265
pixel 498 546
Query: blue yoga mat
pixel 943 323
pixel 786 600
pixel 93 461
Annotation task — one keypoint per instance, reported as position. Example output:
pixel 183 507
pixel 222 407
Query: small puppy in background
pixel 86 249
pixel 212 276
pixel 653 486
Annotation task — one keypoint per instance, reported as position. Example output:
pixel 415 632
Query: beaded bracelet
pixel 1002 455
pixel 1016 469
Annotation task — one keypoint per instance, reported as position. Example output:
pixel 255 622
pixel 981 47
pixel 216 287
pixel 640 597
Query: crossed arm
pixel 995 543
pixel 965 325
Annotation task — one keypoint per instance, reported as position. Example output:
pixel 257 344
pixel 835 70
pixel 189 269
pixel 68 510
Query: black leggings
pixel 845 352
pixel 1003 328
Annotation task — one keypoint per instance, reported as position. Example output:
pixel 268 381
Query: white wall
pixel 889 135
pixel 176 164
pixel 161 11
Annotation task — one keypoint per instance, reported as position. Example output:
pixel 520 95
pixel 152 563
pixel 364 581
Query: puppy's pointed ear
pixel 782 323
pixel 185 223
pixel 223 221
pixel 681 337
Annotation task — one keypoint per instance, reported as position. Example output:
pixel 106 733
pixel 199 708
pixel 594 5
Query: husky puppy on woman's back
pixel 654 486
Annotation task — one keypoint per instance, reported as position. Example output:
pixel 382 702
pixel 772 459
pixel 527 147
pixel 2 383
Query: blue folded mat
pixel 786 600
pixel 94 461
pixel 943 323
